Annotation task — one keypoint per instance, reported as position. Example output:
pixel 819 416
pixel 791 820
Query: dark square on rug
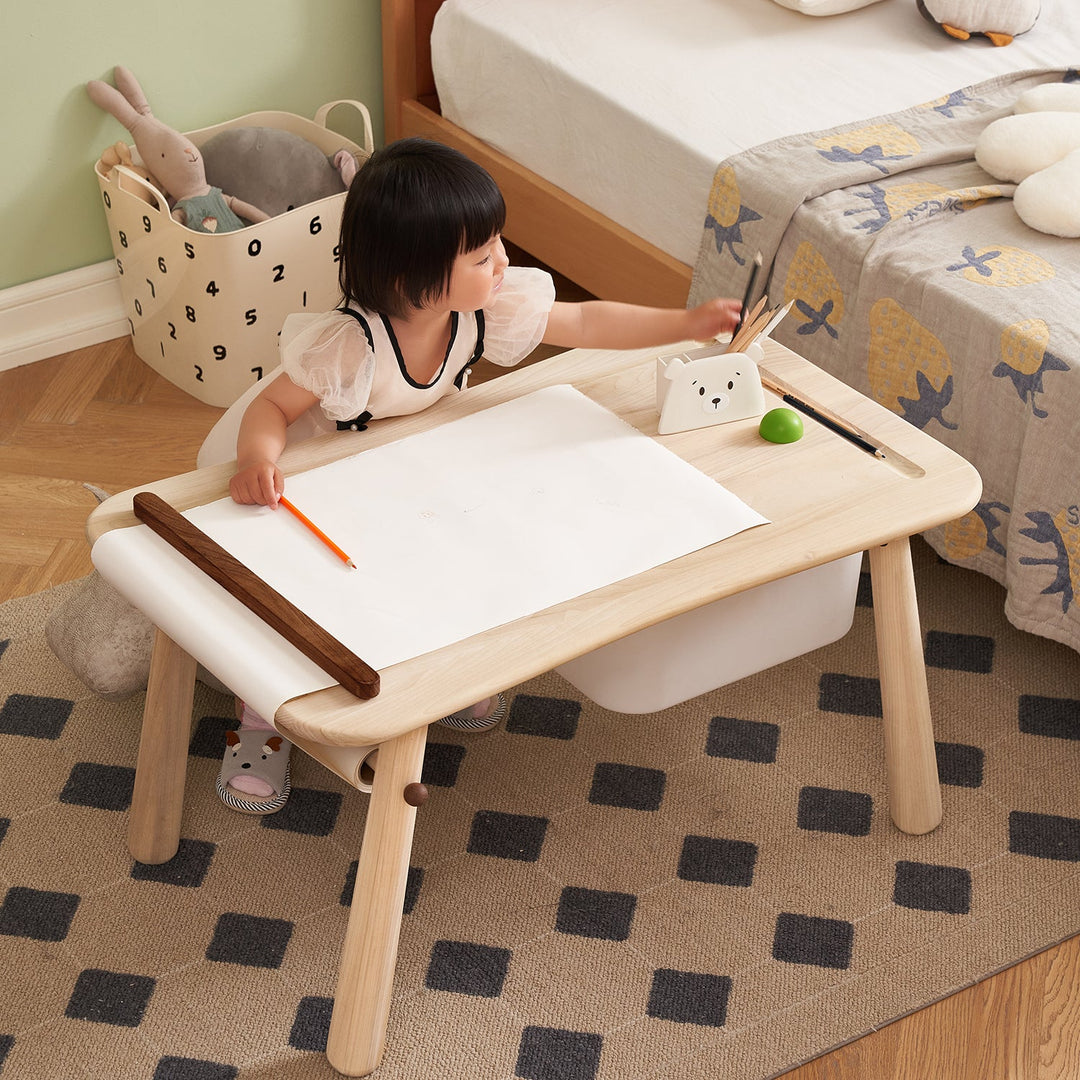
pixel 596 914
pixel 743 740
pixel 630 786
pixel 558 1054
pixel 717 861
pixel 178 1068
pixel 507 836
pixel 110 997
pixel 464 967
pixel 103 787
pixel 807 939
pixel 553 718
pixel 187 868
pixel 250 940
pixel 37 914
pixel 689 997
pixel 825 810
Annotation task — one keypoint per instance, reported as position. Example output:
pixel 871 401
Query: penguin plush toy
pixel 998 20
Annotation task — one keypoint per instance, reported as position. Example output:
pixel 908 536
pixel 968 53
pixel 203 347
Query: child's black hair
pixel 413 207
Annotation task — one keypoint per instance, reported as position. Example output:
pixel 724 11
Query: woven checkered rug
pixel 712 890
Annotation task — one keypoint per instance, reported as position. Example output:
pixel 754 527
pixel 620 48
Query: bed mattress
pixel 629 106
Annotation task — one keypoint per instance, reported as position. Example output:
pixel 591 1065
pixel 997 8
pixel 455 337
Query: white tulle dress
pixel 352 362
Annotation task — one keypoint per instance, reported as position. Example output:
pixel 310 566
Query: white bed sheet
pixel 630 105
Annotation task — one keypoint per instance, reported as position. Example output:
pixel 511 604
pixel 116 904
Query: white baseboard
pixel 57 314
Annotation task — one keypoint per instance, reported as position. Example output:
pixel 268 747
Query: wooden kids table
pixel 825 497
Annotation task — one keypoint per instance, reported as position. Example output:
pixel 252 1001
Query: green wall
pixel 199 64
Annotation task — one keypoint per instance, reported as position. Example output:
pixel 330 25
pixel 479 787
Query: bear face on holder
pixel 704 387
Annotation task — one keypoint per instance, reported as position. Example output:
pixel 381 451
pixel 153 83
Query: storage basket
pixel 205 309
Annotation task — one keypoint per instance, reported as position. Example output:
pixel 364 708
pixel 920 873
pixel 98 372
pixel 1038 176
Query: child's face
pixel 476 277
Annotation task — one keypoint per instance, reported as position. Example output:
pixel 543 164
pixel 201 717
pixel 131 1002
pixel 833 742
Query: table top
pixel 825 498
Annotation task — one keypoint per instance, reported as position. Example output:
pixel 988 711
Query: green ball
pixel 781 426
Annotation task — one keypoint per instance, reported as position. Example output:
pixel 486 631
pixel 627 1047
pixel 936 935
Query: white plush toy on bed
pixel 997 20
pixel 1038 148
pixel 704 387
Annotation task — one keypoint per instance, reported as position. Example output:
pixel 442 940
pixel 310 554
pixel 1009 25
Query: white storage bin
pixel 205 309
pixel 714 645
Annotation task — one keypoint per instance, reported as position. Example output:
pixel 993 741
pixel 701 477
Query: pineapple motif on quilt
pixel 1060 531
pixel 977 531
pixel 726 214
pixel 818 298
pixel 875 145
pixel 908 367
pixel 1025 358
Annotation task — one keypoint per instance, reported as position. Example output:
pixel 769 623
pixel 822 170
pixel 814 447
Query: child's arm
pixel 262 438
pixel 603 324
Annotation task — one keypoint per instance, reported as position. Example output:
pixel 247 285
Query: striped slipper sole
pixel 462 721
pixel 251 805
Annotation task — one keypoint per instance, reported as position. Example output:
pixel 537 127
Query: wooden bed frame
pixel 559 230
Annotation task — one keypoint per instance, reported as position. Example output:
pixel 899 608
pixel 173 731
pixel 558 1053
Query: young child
pixel 427 292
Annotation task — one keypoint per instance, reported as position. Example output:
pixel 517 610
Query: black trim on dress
pixel 459 378
pixel 401 359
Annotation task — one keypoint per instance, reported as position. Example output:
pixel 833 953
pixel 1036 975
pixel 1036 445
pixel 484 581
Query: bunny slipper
pixel 1038 148
pixel 172 158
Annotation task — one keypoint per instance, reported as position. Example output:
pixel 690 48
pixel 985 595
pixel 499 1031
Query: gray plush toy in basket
pixel 206 286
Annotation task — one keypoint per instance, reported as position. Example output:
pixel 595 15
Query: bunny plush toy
pixel 173 159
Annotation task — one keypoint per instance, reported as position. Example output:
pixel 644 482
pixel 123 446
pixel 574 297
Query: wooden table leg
pixel 158 798
pixel 910 758
pixel 368 957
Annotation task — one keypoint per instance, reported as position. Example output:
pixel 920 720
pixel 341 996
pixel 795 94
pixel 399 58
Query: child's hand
pixel 261 482
pixel 713 318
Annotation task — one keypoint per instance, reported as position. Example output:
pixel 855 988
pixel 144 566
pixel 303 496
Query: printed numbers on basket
pixel 315 226
pixel 257 372
pixel 198 373
pixel 220 352
pixel 250 317
pixel 212 289
pixel 147 225
pixel 189 251
pixel 172 331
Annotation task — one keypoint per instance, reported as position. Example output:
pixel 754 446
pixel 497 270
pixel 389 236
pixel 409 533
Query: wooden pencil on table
pixel 753 322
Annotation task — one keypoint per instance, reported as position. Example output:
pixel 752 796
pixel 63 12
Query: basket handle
pixel 324 111
pixel 159 199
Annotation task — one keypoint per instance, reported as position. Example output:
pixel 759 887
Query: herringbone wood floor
pixel 100 416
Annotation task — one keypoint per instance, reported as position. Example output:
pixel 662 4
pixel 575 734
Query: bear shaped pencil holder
pixel 703 387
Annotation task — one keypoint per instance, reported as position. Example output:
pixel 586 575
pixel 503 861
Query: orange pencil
pixel 305 520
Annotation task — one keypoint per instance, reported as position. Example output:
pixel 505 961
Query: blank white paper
pixel 473 524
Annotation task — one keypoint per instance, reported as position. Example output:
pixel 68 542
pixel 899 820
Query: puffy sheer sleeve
pixel 515 320
pixel 329 355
